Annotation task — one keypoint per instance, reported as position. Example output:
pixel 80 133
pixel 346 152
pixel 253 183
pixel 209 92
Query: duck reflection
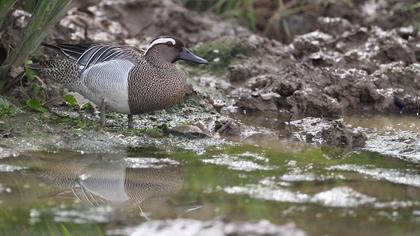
pixel 100 181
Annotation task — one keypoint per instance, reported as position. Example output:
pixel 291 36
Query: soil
pixel 345 66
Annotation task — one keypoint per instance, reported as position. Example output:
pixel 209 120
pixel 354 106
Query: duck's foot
pixel 103 113
pixel 130 121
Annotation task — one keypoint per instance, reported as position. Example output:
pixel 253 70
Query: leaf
pixel 64 230
pixel 28 71
pixel 87 106
pixel 70 100
pixel 35 105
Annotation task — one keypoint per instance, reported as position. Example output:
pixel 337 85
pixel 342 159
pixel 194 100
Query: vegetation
pixel 243 9
pixel 260 16
pixel 273 18
pixel 153 132
pixel 45 14
pixel 6 108
pixel 221 52
pixel 5 6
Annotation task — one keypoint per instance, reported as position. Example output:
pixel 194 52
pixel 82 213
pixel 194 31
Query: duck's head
pixel 167 49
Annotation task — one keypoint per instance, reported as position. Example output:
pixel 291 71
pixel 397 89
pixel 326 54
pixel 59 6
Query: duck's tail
pixel 61 70
pixel 41 66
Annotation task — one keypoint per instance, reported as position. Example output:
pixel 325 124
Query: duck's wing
pixel 88 54
pixel 108 80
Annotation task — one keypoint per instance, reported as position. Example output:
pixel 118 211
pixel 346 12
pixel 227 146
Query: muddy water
pixel 401 123
pixel 322 191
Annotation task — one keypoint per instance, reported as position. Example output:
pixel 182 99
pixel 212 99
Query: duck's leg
pixel 130 121
pixel 103 111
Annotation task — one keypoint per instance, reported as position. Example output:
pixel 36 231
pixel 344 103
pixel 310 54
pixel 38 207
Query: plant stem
pixel 5 6
pixel 44 16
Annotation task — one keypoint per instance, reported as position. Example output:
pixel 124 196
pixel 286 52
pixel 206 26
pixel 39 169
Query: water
pixel 323 191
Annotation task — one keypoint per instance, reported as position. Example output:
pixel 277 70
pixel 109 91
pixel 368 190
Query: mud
pixel 332 133
pixel 343 69
pixel 131 21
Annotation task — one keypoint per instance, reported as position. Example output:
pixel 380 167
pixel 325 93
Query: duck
pixel 121 78
pixel 110 180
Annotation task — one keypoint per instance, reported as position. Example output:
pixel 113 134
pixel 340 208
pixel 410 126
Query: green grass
pixel 155 132
pixel 6 108
pixel 242 10
pixel 44 16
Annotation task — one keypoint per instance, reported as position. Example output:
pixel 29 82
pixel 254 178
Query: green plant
pixel 35 105
pixel 71 100
pixel 7 109
pixel 237 8
pixel 44 16
pixel 267 17
pixel 242 9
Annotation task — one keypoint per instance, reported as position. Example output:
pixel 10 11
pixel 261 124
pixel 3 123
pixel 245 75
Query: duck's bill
pixel 187 55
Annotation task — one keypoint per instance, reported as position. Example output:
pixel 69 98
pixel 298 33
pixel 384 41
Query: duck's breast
pixel 152 88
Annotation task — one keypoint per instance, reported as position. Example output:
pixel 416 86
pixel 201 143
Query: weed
pixel 155 132
pixel 35 105
pixel 6 108
pixel 44 16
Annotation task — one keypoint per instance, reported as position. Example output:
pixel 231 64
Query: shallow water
pixel 323 191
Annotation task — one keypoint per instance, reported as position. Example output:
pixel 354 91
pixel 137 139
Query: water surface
pixel 322 190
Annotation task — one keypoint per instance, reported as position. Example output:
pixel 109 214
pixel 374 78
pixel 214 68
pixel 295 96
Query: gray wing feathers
pixel 87 55
pixel 102 53
pixel 108 80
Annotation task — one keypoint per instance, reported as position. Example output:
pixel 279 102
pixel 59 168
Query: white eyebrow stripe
pixel 160 41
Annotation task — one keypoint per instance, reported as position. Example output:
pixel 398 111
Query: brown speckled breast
pixel 153 88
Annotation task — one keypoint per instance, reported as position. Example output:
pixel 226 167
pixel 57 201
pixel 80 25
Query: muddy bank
pixel 33 131
pixel 340 69
pixel 285 20
pixel 132 22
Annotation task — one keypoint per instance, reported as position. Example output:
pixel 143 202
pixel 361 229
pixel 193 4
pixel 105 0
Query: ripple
pixel 239 162
pixel 342 197
pixel 391 175
pixel 189 227
pixel 267 193
pixel 149 162
pixel 10 168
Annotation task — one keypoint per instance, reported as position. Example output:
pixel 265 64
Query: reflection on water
pixel 362 193
pixel 99 180
pixel 111 182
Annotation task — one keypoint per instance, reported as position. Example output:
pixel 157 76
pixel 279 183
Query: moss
pixel 220 53
pixel 155 132
pixel 80 123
